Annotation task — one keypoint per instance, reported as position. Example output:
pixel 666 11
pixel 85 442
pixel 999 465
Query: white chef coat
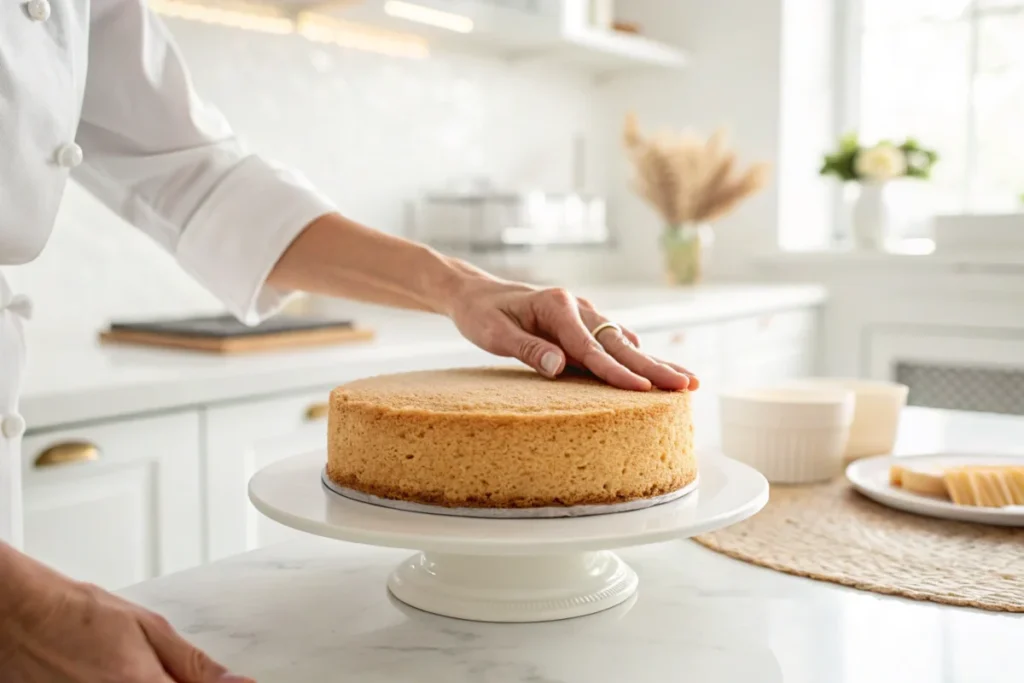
pixel 136 135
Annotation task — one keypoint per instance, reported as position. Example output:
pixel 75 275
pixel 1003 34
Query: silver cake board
pixel 507 513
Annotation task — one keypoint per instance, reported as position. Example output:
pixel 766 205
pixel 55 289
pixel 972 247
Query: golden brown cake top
pixel 508 391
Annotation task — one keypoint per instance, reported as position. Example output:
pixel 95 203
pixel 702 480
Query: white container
pixel 876 415
pixel 979 233
pixel 602 13
pixel 790 435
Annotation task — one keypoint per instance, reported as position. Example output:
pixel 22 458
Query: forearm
pixel 339 257
pixel 19 578
pixel 10 577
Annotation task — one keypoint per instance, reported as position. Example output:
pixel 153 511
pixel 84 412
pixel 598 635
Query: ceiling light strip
pixel 312 26
pixel 428 15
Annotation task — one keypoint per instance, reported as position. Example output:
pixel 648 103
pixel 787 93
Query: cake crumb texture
pixel 507 438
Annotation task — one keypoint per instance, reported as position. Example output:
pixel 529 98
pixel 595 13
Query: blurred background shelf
pixel 561 31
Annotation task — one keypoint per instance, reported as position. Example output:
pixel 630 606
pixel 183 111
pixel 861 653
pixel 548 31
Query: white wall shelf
pixel 505 32
pixel 554 31
pixel 612 50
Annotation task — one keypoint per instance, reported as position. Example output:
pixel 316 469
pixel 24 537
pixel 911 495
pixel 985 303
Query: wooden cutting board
pixel 224 334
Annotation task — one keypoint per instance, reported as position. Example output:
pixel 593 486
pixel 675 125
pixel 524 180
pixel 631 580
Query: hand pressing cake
pixel 507 438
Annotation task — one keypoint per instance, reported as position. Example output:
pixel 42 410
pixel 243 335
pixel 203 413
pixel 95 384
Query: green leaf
pixel 849 142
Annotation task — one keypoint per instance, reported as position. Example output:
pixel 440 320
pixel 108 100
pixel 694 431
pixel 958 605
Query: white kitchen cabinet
pixel 115 503
pixel 698 349
pixel 957 348
pixel 241 439
pixel 960 369
pixel 769 348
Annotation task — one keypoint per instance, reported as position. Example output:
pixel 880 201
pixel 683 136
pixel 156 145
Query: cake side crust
pixel 438 498
pixel 602 457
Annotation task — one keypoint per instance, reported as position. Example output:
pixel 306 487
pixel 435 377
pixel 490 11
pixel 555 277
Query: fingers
pixel 183 662
pixel 559 315
pixel 660 374
pixel 624 346
pixel 509 339
pixel 694 381
pixel 632 337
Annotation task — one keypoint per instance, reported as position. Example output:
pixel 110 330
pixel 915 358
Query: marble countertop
pixel 317 610
pixel 72 378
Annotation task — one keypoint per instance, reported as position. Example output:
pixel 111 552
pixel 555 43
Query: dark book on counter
pixel 226 334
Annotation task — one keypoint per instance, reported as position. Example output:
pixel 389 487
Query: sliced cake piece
pixel 991 486
pixel 1015 482
pixel 896 474
pixel 923 481
pixel 960 487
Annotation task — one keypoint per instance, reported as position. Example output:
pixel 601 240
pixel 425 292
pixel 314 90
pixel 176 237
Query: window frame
pixel 848 85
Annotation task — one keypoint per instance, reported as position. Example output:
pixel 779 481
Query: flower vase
pixel 686 249
pixel 871 217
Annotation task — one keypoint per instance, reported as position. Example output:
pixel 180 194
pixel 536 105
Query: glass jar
pixel 686 249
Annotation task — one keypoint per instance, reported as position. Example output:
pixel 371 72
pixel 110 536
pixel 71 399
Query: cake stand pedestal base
pixel 513 588
pixel 506 570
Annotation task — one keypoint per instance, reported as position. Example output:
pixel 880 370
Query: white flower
pixel 881 162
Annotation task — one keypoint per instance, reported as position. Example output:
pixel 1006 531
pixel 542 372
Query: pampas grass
pixel 687 179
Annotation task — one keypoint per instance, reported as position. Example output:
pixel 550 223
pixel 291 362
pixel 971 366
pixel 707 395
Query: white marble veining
pixel 72 378
pixel 317 610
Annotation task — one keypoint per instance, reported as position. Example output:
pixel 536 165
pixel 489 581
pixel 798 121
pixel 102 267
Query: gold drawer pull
pixel 68 452
pixel 316 411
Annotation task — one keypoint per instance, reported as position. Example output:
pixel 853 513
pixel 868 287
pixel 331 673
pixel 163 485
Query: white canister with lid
pixel 876 415
pixel 791 435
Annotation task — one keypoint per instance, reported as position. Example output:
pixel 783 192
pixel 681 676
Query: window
pixel 950 73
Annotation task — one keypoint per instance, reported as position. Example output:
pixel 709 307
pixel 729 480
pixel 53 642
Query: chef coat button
pixel 38 10
pixel 13 426
pixel 69 155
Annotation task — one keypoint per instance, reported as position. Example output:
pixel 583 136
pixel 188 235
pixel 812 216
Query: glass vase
pixel 686 249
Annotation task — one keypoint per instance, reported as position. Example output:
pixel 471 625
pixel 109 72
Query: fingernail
pixel 231 678
pixel 550 362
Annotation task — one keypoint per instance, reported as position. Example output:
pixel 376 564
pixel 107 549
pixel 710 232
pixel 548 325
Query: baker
pixel 96 91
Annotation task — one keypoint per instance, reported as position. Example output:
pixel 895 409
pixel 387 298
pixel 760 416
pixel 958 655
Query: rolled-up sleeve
pixel 168 163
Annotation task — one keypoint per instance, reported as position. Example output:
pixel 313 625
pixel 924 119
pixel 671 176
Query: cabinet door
pixel 697 348
pixel 241 439
pixel 770 348
pixel 115 503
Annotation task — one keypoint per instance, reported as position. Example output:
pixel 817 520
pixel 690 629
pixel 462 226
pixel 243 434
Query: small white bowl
pixel 876 415
pixel 790 435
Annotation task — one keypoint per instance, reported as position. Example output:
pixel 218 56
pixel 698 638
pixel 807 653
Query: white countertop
pixel 71 378
pixel 317 610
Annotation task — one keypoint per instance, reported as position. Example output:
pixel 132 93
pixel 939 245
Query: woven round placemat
pixel 831 533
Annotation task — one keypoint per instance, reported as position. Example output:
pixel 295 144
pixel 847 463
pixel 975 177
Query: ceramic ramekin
pixel 790 435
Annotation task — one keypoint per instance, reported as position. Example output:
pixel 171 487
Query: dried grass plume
pixel 687 179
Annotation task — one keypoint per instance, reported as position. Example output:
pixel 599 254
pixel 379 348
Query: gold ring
pixel 605 326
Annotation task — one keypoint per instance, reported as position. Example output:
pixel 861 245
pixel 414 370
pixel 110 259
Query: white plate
pixel 870 476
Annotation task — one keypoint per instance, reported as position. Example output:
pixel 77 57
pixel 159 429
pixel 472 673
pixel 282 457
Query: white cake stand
pixel 507 570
